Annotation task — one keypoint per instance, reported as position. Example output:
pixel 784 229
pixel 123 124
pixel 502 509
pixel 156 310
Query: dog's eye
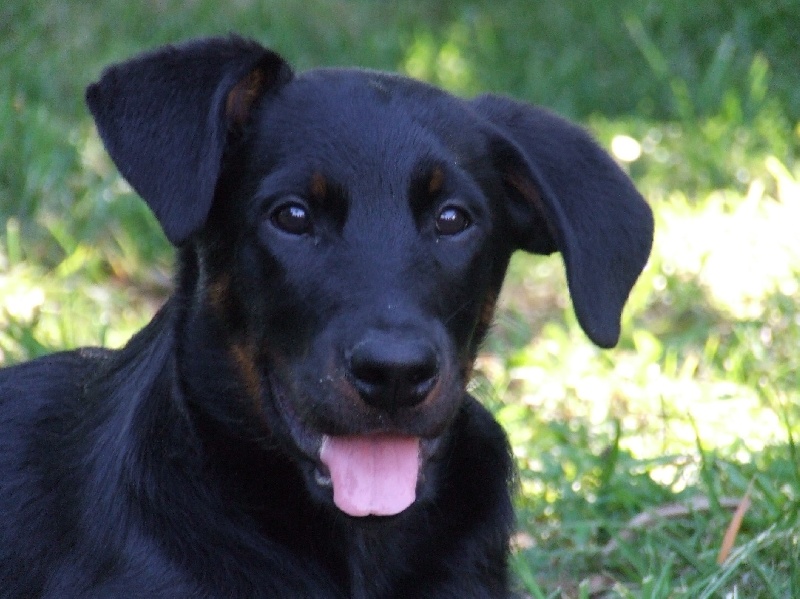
pixel 452 220
pixel 292 218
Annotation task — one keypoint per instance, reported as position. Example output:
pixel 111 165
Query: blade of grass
pixel 13 242
pixel 744 554
pixel 706 468
pixel 732 531
pixel 609 460
pixel 526 576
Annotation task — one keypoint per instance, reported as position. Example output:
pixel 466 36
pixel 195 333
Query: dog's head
pixel 346 234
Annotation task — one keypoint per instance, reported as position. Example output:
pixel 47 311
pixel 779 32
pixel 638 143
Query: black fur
pixel 342 238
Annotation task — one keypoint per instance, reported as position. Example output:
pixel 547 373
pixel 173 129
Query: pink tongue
pixel 375 474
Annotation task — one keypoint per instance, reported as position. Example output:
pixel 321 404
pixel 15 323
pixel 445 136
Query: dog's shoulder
pixel 27 388
pixel 36 399
pixel 53 543
pixel 41 408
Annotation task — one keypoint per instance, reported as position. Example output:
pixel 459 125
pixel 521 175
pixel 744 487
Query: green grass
pixel 632 461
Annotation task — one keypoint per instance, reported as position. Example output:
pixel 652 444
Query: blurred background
pixel 634 462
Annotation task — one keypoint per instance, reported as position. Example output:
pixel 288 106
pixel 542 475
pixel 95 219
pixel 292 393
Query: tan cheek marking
pixel 218 293
pixel 466 372
pixel 486 315
pixel 243 355
pixel 484 322
pixel 487 311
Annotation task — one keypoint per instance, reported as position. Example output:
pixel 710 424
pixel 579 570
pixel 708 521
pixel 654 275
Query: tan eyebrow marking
pixel 436 180
pixel 319 187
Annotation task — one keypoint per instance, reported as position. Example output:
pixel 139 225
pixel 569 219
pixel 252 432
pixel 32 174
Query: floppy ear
pixel 568 195
pixel 165 117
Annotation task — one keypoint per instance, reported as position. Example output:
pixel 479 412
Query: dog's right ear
pixel 165 117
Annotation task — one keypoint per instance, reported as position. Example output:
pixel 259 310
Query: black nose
pixel 392 373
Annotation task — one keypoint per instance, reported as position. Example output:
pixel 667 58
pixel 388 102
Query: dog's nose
pixel 392 373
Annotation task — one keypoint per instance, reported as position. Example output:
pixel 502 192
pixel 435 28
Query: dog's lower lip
pixel 321 478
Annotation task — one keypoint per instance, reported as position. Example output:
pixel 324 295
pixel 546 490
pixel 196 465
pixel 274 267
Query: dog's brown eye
pixel 292 218
pixel 452 220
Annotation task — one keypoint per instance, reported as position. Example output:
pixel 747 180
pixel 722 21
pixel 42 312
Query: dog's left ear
pixel 165 119
pixel 566 194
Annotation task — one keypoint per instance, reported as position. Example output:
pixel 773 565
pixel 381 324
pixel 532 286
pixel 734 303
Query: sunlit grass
pixel 699 401
pixel 731 262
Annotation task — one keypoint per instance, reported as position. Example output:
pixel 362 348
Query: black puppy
pixel 293 422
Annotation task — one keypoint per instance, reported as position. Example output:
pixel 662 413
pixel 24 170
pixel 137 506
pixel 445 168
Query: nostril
pixel 371 373
pixel 423 373
pixel 391 373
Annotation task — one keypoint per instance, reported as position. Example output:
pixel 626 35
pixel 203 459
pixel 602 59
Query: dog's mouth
pixel 372 474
